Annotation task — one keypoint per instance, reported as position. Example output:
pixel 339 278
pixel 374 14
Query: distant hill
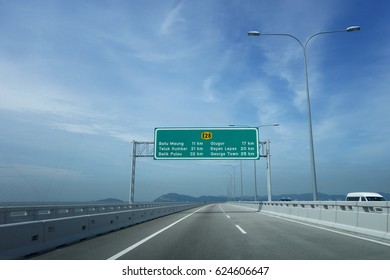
pixel 110 200
pixel 174 197
pixel 308 197
pixel 385 195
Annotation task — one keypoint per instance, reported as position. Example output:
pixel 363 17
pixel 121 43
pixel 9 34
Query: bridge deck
pixel 227 232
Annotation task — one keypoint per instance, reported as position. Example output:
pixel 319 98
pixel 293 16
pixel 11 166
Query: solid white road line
pixel 132 247
pixel 240 229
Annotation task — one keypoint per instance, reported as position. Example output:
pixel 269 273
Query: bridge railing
pixel 18 214
pixel 371 218
pixel 35 229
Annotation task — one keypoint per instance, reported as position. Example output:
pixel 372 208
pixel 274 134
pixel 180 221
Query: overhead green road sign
pixel 206 143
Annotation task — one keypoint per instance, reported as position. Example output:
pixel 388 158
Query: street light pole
pixel 268 153
pixel 304 46
pixel 254 164
pixel 254 168
pixel 242 191
pixel 234 180
pixel 229 188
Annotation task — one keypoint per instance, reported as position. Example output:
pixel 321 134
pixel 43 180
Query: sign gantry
pixel 224 143
pixel 140 149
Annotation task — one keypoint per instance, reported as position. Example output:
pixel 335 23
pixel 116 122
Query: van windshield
pixel 374 198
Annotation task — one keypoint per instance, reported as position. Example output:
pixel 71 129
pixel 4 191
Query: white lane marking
pixel 132 247
pixel 228 216
pixel 240 229
pixel 331 230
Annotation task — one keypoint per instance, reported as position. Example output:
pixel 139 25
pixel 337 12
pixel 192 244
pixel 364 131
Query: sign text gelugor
pixel 206 143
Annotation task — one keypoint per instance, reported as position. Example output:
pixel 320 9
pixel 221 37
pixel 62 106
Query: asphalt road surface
pixel 224 232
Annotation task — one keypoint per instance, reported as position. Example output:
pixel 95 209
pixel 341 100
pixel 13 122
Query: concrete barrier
pixel 20 239
pixel 371 218
pixel 65 230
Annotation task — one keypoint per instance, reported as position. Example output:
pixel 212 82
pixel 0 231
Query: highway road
pixel 224 232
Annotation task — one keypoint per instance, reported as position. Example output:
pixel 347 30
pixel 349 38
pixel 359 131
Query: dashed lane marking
pixel 240 229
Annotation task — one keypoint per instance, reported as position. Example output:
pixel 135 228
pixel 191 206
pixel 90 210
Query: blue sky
pixel 80 80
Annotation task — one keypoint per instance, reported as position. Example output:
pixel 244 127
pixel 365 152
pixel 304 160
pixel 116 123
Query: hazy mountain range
pixel 174 197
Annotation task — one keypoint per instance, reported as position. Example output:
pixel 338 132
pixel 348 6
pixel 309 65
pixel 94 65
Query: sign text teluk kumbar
pixel 206 143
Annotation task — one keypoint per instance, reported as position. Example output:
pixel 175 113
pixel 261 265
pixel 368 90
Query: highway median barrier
pixel 26 231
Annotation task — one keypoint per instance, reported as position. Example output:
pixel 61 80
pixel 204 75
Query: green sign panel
pixel 206 143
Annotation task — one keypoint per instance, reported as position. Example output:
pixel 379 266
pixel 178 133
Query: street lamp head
pixel 353 28
pixel 274 124
pixel 253 33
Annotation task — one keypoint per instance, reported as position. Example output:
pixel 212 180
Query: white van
pixel 364 196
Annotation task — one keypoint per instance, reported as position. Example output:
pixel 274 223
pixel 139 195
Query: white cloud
pixel 172 19
pixel 208 88
pixel 16 169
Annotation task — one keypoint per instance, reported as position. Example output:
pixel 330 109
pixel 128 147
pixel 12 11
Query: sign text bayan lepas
pixel 206 143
